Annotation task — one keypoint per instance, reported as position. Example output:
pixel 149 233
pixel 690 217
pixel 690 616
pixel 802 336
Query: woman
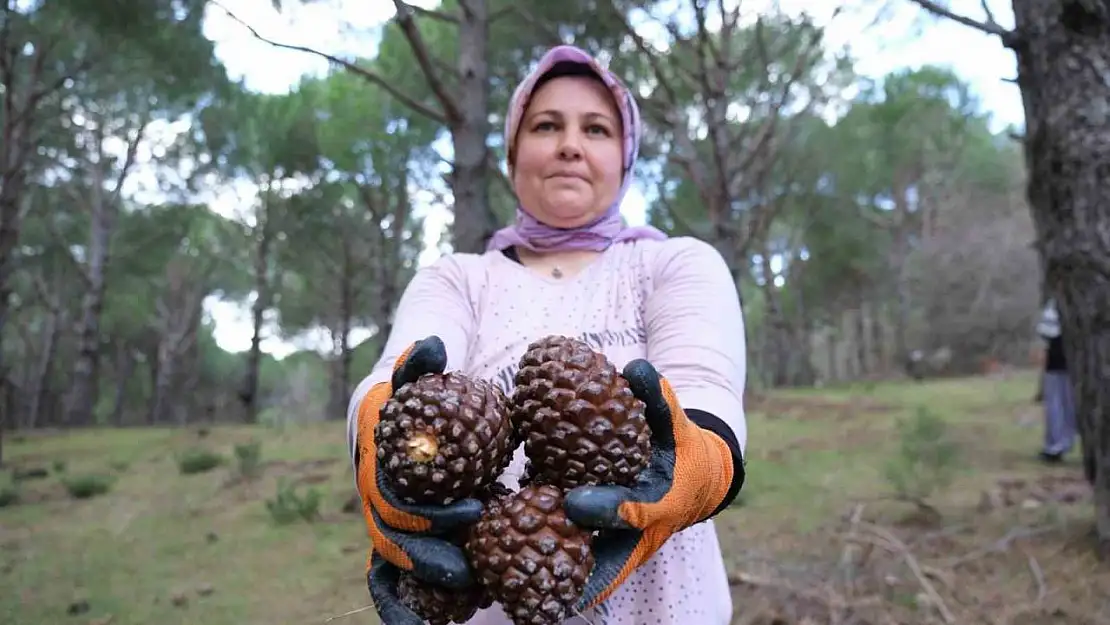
pixel 1056 392
pixel 664 310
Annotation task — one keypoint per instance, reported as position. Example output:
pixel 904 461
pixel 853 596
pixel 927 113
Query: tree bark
pixel 859 321
pixel 85 384
pixel 878 340
pixel 341 339
pixel 248 395
pixel 1063 50
pixel 103 207
pixel 40 382
pixel 474 220
pixel 125 368
pixel 179 313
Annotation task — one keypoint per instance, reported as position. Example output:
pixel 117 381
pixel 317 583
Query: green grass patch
pixel 208 547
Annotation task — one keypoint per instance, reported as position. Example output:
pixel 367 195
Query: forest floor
pixel 814 540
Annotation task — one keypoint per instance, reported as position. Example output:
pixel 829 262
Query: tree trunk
pixel 341 341
pixel 1063 48
pixel 84 384
pixel 15 146
pixel 860 334
pixel 474 220
pixel 179 312
pixel 901 252
pixel 152 360
pixel 125 367
pixel 102 207
pixel 844 328
pixel 9 235
pixel 878 341
pixel 163 383
pixel 40 379
pixel 249 393
pixel 190 355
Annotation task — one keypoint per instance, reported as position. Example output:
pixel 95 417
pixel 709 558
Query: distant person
pixel 664 310
pixel 1056 391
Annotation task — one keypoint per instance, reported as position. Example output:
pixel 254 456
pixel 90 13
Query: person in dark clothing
pixel 1059 401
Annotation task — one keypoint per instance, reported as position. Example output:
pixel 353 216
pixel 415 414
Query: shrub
pixel 198 461
pixel 927 458
pixel 248 458
pixel 289 505
pixel 87 486
pixel 9 495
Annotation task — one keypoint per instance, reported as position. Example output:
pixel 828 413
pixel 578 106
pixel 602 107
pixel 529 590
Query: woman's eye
pixel 598 129
pixel 544 126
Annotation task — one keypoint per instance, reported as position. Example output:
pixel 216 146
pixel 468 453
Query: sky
pixel 903 37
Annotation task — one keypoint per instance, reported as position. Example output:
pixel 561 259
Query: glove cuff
pixel 720 434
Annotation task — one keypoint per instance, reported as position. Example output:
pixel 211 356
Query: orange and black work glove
pixel 406 537
pixel 692 475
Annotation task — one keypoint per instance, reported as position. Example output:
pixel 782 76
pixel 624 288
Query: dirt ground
pixel 815 538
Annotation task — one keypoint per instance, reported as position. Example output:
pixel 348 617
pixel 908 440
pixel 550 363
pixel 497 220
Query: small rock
pixel 1030 504
pixel 211 537
pixel 178 599
pixel 205 589
pixel 349 548
pixel 78 606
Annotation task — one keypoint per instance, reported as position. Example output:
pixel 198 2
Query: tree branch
pixel 543 28
pixel 424 59
pixel 369 75
pixel 713 84
pixel 500 13
pixel 669 111
pixel 990 27
pixel 433 14
pixel 770 126
pixel 67 252
pixel 129 159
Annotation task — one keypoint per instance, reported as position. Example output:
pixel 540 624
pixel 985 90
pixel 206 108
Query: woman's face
pixel 568 156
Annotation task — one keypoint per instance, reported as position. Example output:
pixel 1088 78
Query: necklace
pixel 556 272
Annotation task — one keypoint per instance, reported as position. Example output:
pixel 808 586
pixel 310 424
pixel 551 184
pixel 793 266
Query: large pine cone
pixel 530 557
pixel 441 606
pixel 578 418
pixel 444 437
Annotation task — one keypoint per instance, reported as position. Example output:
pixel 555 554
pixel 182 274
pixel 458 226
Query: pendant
pixel 556 272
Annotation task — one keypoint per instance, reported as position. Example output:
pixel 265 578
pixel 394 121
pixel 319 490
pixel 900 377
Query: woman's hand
pixel 406 537
pixel 690 474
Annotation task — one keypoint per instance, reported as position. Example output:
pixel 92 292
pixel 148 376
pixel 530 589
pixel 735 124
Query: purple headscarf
pixel 531 233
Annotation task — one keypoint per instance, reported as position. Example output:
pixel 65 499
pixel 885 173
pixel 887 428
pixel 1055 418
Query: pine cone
pixel 444 437
pixel 578 417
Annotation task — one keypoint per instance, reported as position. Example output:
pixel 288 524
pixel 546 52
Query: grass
pixel 170 548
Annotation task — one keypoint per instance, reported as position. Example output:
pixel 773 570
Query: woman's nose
pixel 570 147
